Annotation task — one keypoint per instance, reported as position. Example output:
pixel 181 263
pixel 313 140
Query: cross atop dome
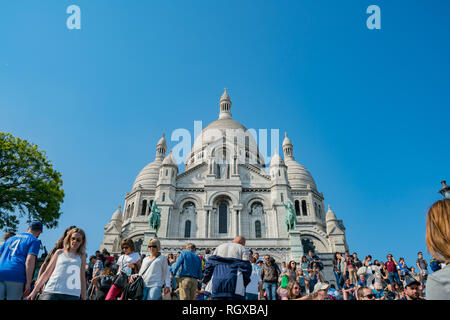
pixel 225 105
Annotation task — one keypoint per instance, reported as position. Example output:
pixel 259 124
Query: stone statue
pixel 154 219
pixel 257 210
pixel 291 221
pixel 190 209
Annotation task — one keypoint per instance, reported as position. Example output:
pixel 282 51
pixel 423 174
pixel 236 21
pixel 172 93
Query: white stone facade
pixel 226 191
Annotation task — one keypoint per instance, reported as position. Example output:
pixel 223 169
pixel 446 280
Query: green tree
pixel 29 186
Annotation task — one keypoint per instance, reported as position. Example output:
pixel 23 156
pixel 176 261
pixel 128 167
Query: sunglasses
pixel 370 296
pixel 125 247
pixel 76 239
pixel 152 247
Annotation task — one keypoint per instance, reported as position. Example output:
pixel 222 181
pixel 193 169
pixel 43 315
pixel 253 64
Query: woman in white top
pixel 128 262
pixel 155 272
pixel 66 271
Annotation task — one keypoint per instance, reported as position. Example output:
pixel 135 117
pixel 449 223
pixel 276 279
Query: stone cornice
pixel 255 189
pixel 144 192
pixel 190 189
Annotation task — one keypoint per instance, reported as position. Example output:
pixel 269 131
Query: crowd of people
pixel 230 272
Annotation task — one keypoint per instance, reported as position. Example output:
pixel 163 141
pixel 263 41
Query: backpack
pixel 106 282
pixel 434 265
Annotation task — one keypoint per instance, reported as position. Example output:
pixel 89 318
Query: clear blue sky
pixel 367 110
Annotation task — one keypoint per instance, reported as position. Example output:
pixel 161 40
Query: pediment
pixel 252 178
pixel 193 177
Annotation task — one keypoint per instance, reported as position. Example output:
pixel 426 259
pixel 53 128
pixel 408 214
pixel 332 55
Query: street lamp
pixel 445 191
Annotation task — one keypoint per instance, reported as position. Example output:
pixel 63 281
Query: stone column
pixel 165 221
pixel 137 205
pixel 201 226
pixel 239 224
pixel 207 224
pixel 207 209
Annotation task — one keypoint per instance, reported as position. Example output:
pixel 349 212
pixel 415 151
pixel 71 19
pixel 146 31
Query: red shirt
pixel 390 266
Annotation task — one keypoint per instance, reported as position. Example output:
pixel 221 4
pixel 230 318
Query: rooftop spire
pixel 161 147
pixel 288 148
pixel 225 105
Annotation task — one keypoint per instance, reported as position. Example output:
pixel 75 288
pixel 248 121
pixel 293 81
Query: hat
pixel 36 225
pixel 409 281
pixel 155 242
pixel 259 260
pixel 321 286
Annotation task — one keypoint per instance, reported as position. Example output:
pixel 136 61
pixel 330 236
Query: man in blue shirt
pixel 17 260
pixel 191 272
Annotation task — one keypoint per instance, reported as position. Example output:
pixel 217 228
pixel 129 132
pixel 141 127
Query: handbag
pixel 135 290
pixel 121 280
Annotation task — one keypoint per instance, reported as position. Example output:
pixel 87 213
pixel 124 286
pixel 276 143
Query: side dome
pixel 276 160
pixel 298 176
pixel 117 215
pixel 169 160
pixel 330 214
pixel 148 177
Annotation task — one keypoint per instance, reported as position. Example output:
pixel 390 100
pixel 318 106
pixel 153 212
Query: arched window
pixel 304 209
pixel 320 211
pixel 128 211
pixel 258 229
pixel 164 197
pixel 167 172
pixel 223 219
pixel 315 209
pixel 132 209
pixel 282 198
pixel 187 229
pixel 144 207
pixel 297 208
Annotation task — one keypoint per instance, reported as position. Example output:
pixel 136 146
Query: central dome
pixel 225 138
pixel 215 130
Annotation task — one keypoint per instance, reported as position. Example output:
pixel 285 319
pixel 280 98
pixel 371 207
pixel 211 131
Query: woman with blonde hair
pixel 155 272
pixel 58 245
pixel 438 245
pixel 66 271
pixel 294 293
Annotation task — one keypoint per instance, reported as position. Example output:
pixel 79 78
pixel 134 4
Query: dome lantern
pixel 161 147
pixel 225 105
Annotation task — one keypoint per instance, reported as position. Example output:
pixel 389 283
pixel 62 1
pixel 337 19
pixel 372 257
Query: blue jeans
pixel 338 279
pixel 393 276
pixel 11 290
pixel 153 293
pixel 271 290
pixel 251 296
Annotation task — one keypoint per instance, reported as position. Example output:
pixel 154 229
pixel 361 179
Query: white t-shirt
pixel 232 250
pixel 126 259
